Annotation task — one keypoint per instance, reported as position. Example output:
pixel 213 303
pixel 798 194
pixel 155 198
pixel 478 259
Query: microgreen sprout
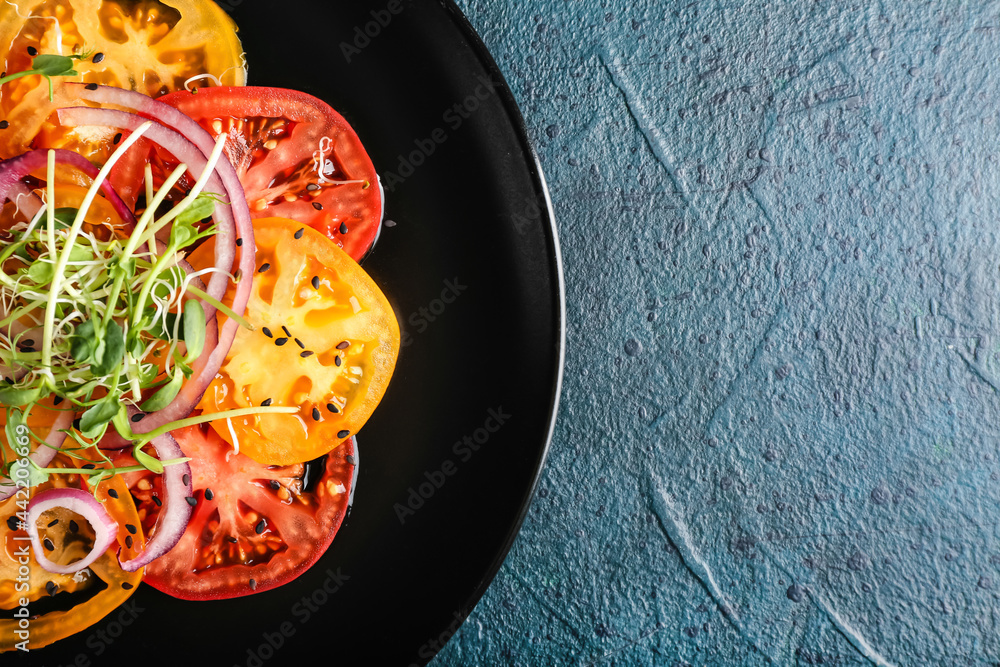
pixel 48 65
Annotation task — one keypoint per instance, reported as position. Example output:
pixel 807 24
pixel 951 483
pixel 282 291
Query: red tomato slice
pixel 296 157
pixel 255 527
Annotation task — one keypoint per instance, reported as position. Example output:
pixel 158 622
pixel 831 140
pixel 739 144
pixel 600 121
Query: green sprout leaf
pixel 53 65
pixel 15 397
pixel 110 352
pixel 166 394
pixel 194 329
pixel 148 462
pixel 100 415
pixel 36 475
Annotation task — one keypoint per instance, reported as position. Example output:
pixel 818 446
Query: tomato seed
pixel 312 187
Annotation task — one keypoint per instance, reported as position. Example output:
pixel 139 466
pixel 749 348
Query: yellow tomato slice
pixel 146 45
pixel 325 341
pixel 93 592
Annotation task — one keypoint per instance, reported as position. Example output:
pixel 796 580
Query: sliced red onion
pixel 43 455
pixel 169 116
pixel 84 504
pixel 176 513
pixel 14 169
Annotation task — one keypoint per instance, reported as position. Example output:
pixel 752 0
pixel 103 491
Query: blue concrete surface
pixel 778 436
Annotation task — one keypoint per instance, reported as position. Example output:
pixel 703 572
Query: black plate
pixel 472 219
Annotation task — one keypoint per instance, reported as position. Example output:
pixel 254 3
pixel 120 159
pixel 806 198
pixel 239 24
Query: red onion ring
pixel 44 454
pixel 176 513
pixel 14 169
pixel 160 112
pixel 84 504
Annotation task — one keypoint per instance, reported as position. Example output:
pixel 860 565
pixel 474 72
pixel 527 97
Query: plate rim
pixel 513 111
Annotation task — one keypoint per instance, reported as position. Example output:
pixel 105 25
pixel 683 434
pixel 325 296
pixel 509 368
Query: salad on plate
pixel 188 344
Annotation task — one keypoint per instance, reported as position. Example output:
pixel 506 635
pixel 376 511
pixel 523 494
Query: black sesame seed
pixel 274 484
pixel 307 354
pixel 301 345
pixel 332 408
pixel 315 282
pixel 337 361
pixel 4 125
pixel 343 434
pixel 343 346
pixel 264 267
pixel 57 400
pixel 48 544
pixel 260 527
pixel 12 522
pixel 51 588
pixel 209 495
pixel 266 402
pixel 267 332
pixel 343 228
pixel 231 539
pixel 193 502
pixel 186 479
pixel 32 51
pixel 299 233
pixel 53 523
pixel 131 529
pixel 285 329
pixel 157 501
pixel 91 86
pixel 113 493
pixel 88 466
pixel 118 137
pixel 317 206
pixel 312 187
pixel 138 417
pixel 98 57
pixel 239 243
pixel 280 341
pixel 127 586
pixel 73 526
pixel 316 415
pixel 253 584
pixel 350 460
pixel 128 541
pixel 28 342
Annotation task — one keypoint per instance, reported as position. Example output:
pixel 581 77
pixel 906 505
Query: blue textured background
pixel 778 431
